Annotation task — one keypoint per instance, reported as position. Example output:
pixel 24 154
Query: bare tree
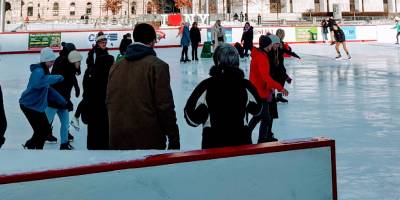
pixel 113 5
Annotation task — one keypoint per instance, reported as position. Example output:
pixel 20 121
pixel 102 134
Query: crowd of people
pixel 128 104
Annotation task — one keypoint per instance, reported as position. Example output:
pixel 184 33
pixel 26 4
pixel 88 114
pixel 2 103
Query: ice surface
pixel 355 102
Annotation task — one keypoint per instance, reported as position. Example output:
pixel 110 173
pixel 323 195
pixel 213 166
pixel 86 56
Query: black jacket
pixel 331 22
pixel 3 121
pixel 195 36
pixel 247 38
pixel 125 42
pixel 222 104
pixel 339 35
pixel 63 67
pixel 279 71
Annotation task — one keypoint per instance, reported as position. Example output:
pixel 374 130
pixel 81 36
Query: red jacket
pixel 259 74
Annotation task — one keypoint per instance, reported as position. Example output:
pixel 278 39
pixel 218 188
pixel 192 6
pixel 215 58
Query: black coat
pixel 279 72
pixel 95 82
pixel 125 42
pixel 331 23
pixel 247 38
pixel 63 67
pixel 3 120
pixel 195 36
pixel 222 104
pixel 339 35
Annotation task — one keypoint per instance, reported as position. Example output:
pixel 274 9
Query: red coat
pixel 259 74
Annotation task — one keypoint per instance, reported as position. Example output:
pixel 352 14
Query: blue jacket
pixel 39 92
pixel 185 40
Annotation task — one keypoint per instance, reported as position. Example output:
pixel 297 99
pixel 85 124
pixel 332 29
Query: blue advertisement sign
pixel 349 32
pixel 228 35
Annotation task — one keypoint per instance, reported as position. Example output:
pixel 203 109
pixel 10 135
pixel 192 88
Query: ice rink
pixel 355 102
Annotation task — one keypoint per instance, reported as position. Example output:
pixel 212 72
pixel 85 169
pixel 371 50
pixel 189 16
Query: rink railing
pixel 295 169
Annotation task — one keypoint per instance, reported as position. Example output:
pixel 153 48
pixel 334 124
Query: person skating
pixel 261 79
pixel 3 120
pixel 247 38
pixel 125 42
pixel 185 42
pixel 68 66
pixel 397 27
pixel 34 100
pixel 340 40
pixel 195 38
pixel 139 98
pixel 280 74
pixel 325 31
pixel 222 103
pixel 217 34
pixel 99 62
pixel 331 23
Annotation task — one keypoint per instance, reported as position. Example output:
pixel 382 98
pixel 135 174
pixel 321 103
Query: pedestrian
pixel 195 38
pixel 222 103
pixel 246 17
pixel 68 66
pixel 95 81
pixel 324 26
pixel 125 42
pixel 34 100
pixel 340 40
pixel 397 27
pixel 185 42
pixel 241 17
pixel 139 98
pixel 218 34
pixel 259 19
pixel 280 74
pixel 3 120
pixel 247 38
pixel 235 17
pixel 261 79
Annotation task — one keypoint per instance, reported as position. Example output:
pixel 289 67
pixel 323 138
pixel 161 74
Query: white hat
pixel 47 54
pixel 101 37
pixel 74 56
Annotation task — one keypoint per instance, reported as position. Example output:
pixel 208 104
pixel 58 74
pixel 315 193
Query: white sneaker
pixel 75 123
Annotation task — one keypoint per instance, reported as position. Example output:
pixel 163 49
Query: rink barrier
pixel 21 181
pixel 18 42
pixel 171 46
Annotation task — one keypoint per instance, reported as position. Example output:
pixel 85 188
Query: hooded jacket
pixel 222 104
pixel 195 36
pixel 125 42
pixel 140 104
pixel 38 92
pixel 260 74
pixel 247 38
pixel 185 40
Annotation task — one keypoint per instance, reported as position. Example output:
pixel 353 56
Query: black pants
pixel 397 36
pixel 265 130
pixel 184 54
pixel 40 125
pixel 194 51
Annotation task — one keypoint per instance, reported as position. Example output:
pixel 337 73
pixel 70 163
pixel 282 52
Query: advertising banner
pixel 349 32
pixel 306 34
pixel 42 40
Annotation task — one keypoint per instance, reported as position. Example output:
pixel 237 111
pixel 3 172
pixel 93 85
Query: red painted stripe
pixel 172 158
pixel 163 46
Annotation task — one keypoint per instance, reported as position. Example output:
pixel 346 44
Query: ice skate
pixel 51 139
pixel 70 137
pixel 75 124
pixel 66 146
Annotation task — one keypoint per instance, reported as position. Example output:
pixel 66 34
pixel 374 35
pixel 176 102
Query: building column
pixel 392 5
pixel 285 6
pixel 323 6
pixel 358 5
pixel 2 15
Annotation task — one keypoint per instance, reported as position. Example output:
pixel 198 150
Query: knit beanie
pixel 274 39
pixel 47 54
pixel 100 38
pixel 74 56
pixel 264 41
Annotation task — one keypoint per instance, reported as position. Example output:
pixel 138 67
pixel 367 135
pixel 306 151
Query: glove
pixel 77 92
pixel 174 146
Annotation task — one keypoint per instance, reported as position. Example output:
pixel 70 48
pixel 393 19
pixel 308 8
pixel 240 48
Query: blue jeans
pixel 63 115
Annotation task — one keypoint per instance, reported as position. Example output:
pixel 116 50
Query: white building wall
pixel 303 5
pixel 373 5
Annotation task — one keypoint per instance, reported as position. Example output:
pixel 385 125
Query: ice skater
pixel 223 102
pixel 195 39
pixel 185 42
pixel 331 23
pixel 247 38
pixel 34 100
pixel 324 26
pixel 217 34
pixel 261 79
pixel 397 27
pixel 340 40
pixel 125 42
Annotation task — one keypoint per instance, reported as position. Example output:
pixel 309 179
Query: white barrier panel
pixel 302 169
